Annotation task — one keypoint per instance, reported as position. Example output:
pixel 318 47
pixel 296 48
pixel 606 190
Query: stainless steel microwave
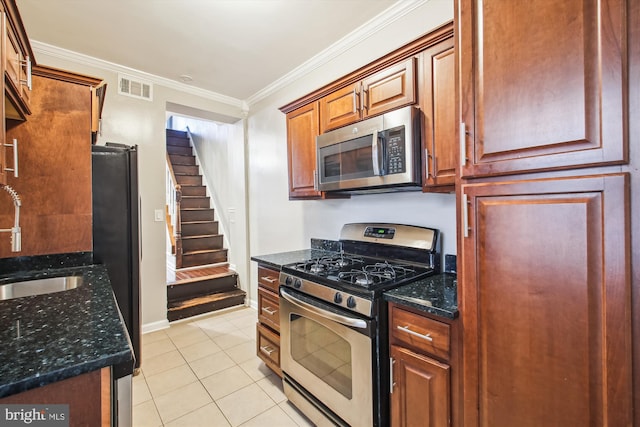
pixel 377 154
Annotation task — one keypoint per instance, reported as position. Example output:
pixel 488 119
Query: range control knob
pixel 288 280
pixel 297 283
pixel 337 298
pixel 351 302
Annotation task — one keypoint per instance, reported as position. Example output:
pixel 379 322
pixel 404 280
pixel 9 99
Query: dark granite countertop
pixel 435 295
pixel 61 334
pixel 283 258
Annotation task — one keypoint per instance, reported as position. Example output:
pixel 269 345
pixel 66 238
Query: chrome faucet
pixel 16 234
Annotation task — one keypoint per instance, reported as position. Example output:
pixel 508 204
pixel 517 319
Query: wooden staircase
pixel 203 281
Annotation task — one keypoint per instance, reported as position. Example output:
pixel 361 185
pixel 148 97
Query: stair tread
pixel 200 236
pixel 198 222
pixel 203 251
pixel 206 299
pixel 192 280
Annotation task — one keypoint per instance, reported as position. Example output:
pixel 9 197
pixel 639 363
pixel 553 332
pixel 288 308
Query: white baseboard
pixel 155 326
pixel 253 304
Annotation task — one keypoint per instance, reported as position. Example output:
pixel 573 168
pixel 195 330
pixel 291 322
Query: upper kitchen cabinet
pixel 542 85
pixel 18 59
pixel 391 88
pixel 302 129
pixel 437 102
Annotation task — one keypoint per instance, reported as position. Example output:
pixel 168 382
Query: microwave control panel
pixel 395 151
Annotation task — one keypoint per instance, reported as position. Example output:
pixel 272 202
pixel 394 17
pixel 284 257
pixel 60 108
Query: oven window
pixel 322 352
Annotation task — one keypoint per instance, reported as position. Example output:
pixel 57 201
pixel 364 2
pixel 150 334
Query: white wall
pixel 275 223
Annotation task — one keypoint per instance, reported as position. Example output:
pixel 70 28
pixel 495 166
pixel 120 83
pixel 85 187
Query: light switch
pixel 158 215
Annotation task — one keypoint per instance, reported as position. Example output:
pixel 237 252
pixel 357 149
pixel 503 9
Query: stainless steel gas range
pixel 333 321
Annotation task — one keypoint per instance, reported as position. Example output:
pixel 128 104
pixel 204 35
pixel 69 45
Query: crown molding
pixel 57 52
pixel 393 13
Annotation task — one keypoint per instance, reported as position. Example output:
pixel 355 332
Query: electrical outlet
pixel 158 214
pixel 450 264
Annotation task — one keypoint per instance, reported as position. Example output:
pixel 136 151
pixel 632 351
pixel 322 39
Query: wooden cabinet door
pixel 546 303
pixel 543 85
pixel 420 395
pixel 340 108
pixel 437 91
pixel 302 129
pixel 391 88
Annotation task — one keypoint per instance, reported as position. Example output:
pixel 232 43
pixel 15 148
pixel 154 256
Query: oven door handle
pixel 348 321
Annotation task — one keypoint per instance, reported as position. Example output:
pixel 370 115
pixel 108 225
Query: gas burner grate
pixel 325 264
pixel 380 272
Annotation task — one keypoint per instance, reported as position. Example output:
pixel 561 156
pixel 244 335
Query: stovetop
pixel 361 274
pixel 373 258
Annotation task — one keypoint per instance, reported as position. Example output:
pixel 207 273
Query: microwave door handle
pixel 348 321
pixel 376 148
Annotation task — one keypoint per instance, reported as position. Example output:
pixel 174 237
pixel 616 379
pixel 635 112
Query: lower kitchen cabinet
pixel 420 394
pixel 268 327
pixel 88 396
pixel 546 302
pixel 421 391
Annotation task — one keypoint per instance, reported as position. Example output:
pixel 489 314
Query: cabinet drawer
pixel 268 278
pixel 420 333
pixel 268 348
pixel 268 309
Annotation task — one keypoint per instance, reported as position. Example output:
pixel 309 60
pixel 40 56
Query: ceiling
pixel 234 48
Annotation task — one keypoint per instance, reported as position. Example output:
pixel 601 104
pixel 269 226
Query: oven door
pixel 329 354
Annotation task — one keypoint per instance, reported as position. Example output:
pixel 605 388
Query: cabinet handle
pixel 268 279
pixel 365 99
pixel 356 107
pixel 267 350
pixel 414 333
pixel 27 62
pixel 465 215
pixel 463 144
pixel 392 383
pixel 426 161
pixel 15 157
pixel 270 311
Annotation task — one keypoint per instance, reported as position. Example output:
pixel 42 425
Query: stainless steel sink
pixel 39 286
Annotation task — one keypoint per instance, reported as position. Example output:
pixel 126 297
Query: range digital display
pixel 380 232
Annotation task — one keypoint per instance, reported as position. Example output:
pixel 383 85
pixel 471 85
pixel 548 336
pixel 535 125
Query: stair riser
pixel 188 169
pixel 205 308
pixel 197 202
pixel 176 133
pixel 191 260
pixel 177 159
pixel 178 141
pixel 197 215
pixel 198 243
pixel 189 179
pixel 174 149
pixel 199 229
pixel 194 190
pixel 201 288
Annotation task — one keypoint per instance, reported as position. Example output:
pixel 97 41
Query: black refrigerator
pixel 116 237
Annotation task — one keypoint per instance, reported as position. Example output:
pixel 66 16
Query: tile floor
pixel 205 372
